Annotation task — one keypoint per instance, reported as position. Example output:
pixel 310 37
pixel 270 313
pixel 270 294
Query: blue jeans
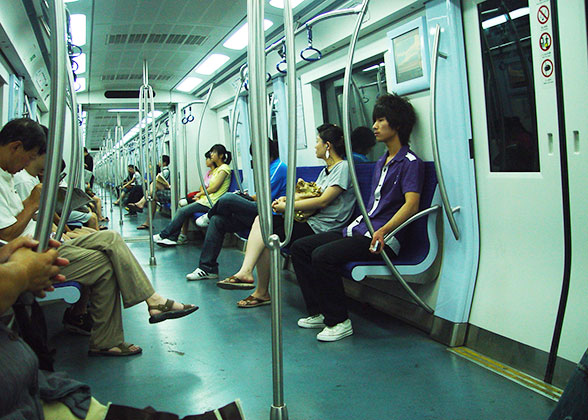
pixel 173 229
pixel 573 404
pixel 231 213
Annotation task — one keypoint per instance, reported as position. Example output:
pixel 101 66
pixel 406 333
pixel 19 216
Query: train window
pixel 510 94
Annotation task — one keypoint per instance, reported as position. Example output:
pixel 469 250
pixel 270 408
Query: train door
pixel 516 143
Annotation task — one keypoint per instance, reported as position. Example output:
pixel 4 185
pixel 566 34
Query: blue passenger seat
pixel 418 259
pixel 70 291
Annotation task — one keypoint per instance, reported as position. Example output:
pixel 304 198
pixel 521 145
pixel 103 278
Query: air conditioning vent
pixel 137 38
pixel 116 39
pixel 195 40
pixel 176 39
pixel 156 38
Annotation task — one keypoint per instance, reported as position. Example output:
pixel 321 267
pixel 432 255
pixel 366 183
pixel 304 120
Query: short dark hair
pixel 362 140
pixel 334 135
pixel 165 159
pixel 274 149
pixel 30 133
pixel 398 112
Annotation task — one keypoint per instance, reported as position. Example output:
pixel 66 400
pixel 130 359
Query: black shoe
pixel 80 324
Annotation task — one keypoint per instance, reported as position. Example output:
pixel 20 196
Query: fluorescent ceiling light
pixel 374 67
pixel 499 20
pixel 280 3
pixel 77 26
pixel 80 84
pixel 211 64
pixel 188 84
pixel 69 1
pixel 81 60
pixel 239 39
pixel 124 110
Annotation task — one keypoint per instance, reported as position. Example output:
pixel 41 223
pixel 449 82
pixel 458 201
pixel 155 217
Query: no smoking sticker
pixel 545 41
pixel 543 15
pixel 547 68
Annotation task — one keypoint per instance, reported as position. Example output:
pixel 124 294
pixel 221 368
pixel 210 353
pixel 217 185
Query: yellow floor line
pixel 514 375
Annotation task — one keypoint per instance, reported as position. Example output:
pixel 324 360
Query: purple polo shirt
pixel 404 173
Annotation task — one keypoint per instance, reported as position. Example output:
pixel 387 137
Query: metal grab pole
pixel 118 135
pixel 109 170
pixel 145 101
pixel 199 169
pixel 74 161
pixel 441 181
pixel 259 127
pixel 349 152
pixel 56 126
pixel 234 121
pixel 185 146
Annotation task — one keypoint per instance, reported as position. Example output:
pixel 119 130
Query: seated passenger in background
pixel 219 184
pixel 162 190
pixel 362 141
pixel 191 197
pixel 234 213
pixel 132 189
pixel 396 190
pixel 333 208
pixel 101 261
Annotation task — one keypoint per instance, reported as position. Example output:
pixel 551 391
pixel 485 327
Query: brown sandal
pixel 252 302
pixel 168 313
pixel 125 350
pixel 143 226
pixel 234 283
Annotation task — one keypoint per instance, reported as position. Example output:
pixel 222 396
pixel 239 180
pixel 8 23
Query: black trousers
pixel 318 261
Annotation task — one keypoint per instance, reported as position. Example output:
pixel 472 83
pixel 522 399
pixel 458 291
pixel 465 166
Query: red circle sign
pixel 547 68
pixel 543 15
pixel 545 41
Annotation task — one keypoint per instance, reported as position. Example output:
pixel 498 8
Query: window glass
pixel 510 91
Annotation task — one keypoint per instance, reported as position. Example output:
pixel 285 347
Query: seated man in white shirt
pixel 100 261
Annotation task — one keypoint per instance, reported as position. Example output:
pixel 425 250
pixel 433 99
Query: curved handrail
pixel 74 161
pixel 199 169
pixel 349 152
pixel 444 199
pixel 56 127
pixel 234 121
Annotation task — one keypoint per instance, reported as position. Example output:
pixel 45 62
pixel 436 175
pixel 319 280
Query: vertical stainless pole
pixel 74 162
pixel 199 169
pixel 259 127
pixel 145 100
pixel 185 145
pixel 109 170
pixel 234 121
pixel 118 135
pixel 173 154
pixel 56 126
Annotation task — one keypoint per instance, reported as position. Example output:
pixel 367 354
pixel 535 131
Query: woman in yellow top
pixel 219 184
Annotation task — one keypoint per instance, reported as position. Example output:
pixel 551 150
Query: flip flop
pixel 134 207
pixel 105 219
pixel 125 351
pixel 101 227
pixel 234 283
pixel 168 313
pixel 143 226
pixel 252 302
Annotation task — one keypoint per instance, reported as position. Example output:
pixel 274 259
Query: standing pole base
pixel 278 413
pixel 152 261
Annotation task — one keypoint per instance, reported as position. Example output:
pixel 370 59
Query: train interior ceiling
pixel 497 87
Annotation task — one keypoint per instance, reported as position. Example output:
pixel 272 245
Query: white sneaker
pixel 200 274
pixel 314 321
pixel 339 331
pixel 203 221
pixel 183 202
pixel 182 240
pixel 156 238
pixel 166 242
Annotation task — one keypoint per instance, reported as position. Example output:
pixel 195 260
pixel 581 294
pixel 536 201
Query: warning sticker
pixel 543 15
pixel 545 41
pixel 547 68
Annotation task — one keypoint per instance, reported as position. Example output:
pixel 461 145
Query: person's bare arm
pixel 216 182
pixel 309 204
pixel 31 205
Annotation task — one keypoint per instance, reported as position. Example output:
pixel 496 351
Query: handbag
pixel 305 190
